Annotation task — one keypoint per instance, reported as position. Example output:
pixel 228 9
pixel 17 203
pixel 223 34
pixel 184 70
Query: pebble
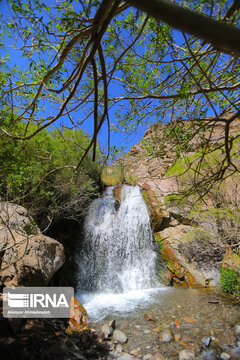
pixel 157 356
pixel 149 317
pixel 107 330
pixel 119 336
pixel 166 336
pixel 206 341
pixel 225 356
pixel 134 352
pixel 237 331
pixel 147 356
pixel 186 355
pixel 125 357
pixel 177 337
pixel 119 348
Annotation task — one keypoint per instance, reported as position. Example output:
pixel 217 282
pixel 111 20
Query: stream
pixel 118 280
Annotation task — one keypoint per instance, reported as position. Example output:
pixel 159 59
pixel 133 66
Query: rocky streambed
pixel 186 324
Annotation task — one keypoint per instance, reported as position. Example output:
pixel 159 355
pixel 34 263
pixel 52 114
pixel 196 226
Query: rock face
pixel 191 256
pixel 28 258
pixel 190 247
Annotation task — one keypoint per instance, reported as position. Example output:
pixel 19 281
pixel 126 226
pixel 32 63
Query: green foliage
pixel 30 228
pixel 230 281
pixel 159 240
pixel 39 173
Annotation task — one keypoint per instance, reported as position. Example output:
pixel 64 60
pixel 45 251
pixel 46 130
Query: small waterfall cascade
pixel 117 255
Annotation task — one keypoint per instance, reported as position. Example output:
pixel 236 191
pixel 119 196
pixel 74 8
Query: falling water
pixel 117 260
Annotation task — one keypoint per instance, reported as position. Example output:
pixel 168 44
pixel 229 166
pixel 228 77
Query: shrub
pixel 230 281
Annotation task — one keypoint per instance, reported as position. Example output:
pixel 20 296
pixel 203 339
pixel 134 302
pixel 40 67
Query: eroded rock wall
pixel 28 258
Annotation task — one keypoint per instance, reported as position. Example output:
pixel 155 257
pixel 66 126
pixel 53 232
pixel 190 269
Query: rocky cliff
pixel 191 242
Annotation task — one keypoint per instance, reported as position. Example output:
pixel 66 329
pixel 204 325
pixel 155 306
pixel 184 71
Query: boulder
pixel 119 336
pixel 190 255
pixel 156 207
pixel 28 258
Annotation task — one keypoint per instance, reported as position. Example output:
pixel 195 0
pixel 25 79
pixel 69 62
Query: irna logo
pixel 35 300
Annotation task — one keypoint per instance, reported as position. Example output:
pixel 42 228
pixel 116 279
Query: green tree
pixel 39 173
pixel 76 50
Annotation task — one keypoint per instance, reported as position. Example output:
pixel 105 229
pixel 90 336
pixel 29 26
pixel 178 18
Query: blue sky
pixel 117 139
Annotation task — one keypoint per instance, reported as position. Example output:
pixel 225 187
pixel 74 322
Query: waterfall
pixel 117 253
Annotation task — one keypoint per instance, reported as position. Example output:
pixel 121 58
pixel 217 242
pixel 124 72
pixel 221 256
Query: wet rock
pixel 186 355
pixel 112 323
pixel 149 316
pixel 147 356
pixel 166 336
pixel 192 262
pixel 206 341
pixel 225 356
pixel 125 357
pixel 157 356
pixel 119 336
pixel 107 330
pixel 237 331
pixel 156 208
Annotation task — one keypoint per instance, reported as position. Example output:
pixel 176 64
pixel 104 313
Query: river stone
pixel 147 356
pixel 225 356
pixel 157 356
pixel 166 336
pixel 186 355
pixel 134 352
pixel 119 348
pixel 206 341
pixel 107 330
pixel 125 357
pixel 237 331
pixel 119 336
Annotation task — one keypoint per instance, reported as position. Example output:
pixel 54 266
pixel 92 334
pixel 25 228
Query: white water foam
pixel 102 305
pixel 117 261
